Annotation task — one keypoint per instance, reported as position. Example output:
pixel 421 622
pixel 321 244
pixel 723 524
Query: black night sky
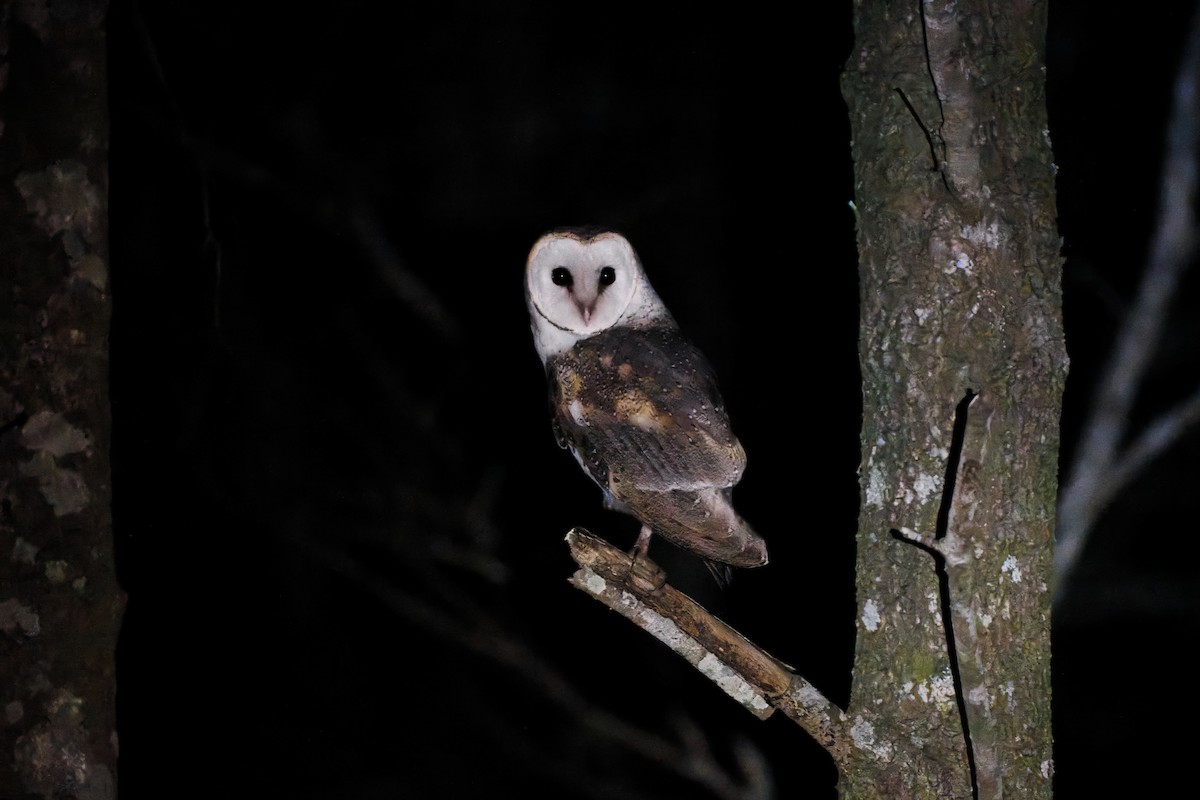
pixel 339 507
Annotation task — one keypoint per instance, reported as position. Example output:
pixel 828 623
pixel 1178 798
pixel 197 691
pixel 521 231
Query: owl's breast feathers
pixel 641 412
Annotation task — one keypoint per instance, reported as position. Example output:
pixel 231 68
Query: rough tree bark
pixel 59 600
pixel 963 365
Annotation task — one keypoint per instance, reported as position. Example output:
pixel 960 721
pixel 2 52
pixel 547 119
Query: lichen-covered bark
pixel 59 599
pixel 960 294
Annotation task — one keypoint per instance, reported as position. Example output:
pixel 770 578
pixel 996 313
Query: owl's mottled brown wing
pixel 641 406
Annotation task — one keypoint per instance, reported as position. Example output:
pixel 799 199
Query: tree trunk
pixel 963 366
pixel 59 601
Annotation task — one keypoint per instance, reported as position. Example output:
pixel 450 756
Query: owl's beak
pixel 585 311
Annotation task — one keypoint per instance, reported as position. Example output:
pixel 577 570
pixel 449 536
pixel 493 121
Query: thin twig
pixel 1101 469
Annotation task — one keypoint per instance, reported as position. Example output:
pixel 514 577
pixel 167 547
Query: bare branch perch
pixel 746 672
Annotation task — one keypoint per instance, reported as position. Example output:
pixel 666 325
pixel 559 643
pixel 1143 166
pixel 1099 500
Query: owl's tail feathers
pixel 721 573
pixel 703 522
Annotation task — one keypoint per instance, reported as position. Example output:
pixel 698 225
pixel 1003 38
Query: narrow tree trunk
pixel 59 600
pixel 963 366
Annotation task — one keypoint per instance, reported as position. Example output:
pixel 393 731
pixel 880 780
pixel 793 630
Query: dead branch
pixel 742 669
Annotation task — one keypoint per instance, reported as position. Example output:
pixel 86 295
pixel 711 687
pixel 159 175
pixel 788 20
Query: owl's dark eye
pixel 562 276
pixel 608 276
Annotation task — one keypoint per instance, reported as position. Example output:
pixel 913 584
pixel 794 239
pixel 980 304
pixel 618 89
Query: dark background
pixel 339 506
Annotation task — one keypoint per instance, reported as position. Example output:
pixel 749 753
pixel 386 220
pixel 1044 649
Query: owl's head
pixel 581 281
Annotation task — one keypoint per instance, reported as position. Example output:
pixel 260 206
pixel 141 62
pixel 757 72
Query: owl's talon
pixel 641 548
pixel 646 576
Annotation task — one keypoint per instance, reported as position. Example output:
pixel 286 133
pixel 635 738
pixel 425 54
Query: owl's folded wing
pixel 643 407
pixel 655 450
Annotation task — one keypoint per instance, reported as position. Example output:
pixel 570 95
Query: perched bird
pixel 635 402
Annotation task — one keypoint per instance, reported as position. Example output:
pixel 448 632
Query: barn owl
pixel 634 402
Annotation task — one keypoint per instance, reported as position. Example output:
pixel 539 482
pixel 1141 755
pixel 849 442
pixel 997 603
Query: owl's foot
pixel 644 574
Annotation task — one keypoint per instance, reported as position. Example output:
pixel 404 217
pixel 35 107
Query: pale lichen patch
pixel 92 269
pixel 594 583
pixel 980 697
pixel 938 690
pixel 56 571
pixel 66 204
pixel 24 552
pixel 876 489
pixel 14 616
pixel 64 489
pixel 1011 567
pixel 870 616
pixel 66 706
pixel 51 437
pixel 808 695
pixel 862 733
pixel 962 263
pixel 926 486
pixel 50 431
pixel 56 750
pixel 665 630
pixel 61 198
pixel 731 682
pixel 984 234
